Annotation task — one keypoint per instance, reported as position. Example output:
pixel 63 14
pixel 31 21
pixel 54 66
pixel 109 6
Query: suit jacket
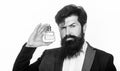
pixel 95 60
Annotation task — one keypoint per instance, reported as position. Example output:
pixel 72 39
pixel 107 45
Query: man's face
pixel 72 36
pixel 70 26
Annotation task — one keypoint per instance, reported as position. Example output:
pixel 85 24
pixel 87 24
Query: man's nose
pixel 67 31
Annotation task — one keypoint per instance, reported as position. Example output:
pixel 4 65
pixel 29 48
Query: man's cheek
pixel 62 36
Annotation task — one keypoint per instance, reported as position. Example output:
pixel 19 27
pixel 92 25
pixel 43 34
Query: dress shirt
pixel 75 63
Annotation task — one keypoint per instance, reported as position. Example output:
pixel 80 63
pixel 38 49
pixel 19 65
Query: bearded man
pixel 75 54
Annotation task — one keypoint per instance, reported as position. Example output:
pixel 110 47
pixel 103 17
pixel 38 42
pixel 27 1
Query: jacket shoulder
pixel 102 56
pixel 99 51
pixel 103 61
pixel 102 53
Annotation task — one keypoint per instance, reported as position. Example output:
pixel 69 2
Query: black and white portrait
pixel 60 35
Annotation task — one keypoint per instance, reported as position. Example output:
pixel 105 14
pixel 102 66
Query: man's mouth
pixel 69 39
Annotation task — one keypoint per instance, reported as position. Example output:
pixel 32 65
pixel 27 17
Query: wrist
pixel 30 45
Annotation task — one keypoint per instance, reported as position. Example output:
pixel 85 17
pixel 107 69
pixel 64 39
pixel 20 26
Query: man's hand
pixel 36 38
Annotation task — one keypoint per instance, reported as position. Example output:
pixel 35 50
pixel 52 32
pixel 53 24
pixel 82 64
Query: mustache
pixel 67 43
pixel 69 36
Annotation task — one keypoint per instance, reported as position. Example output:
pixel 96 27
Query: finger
pixel 37 28
pixel 35 31
pixel 43 29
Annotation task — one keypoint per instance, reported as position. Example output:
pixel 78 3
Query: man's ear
pixel 84 28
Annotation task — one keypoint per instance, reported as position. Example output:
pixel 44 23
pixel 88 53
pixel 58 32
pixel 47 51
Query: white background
pixel 18 18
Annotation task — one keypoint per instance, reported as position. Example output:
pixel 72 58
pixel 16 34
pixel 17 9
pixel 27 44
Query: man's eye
pixel 72 25
pixel 63 27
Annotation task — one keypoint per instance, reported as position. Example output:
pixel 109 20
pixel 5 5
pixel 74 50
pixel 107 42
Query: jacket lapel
pixel 89 57
pixel 88 61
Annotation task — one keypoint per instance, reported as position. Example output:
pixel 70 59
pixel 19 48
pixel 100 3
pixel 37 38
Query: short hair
pixel 71 10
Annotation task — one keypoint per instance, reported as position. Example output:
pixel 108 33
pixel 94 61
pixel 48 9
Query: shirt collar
pixel 84 47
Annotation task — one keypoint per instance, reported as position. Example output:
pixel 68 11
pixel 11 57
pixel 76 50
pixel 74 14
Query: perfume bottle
pixel 49 36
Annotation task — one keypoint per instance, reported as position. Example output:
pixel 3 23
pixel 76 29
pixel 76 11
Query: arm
pixel 23 60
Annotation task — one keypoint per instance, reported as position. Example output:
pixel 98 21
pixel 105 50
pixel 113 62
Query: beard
pixel 70 48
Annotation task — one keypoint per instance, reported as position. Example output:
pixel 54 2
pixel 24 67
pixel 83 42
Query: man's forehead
pixel 69 20
pixel 67 24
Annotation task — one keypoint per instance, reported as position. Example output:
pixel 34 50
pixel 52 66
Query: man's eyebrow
pixel 63 25
pixel 72 23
